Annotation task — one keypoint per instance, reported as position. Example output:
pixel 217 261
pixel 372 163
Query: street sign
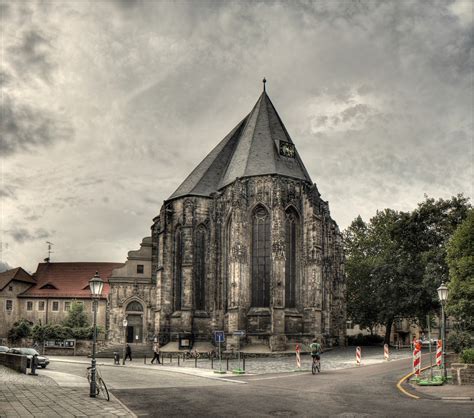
pixel 239 333
pixel 219 336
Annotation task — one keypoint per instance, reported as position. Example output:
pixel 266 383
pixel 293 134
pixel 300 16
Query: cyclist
pixel 316 350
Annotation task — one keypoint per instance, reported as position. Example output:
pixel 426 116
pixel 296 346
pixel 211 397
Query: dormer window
pixel 48 286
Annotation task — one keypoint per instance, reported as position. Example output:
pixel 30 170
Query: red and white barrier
pixel 417 359
pixel 386 352
pixel 298 357
pixel 358 356
pixel 439 353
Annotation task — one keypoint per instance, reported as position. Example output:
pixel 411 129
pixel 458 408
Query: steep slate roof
pixel 69 280
pixel 17 274
pixel 250 149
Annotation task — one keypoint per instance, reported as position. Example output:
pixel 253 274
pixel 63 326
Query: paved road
pixel 367 391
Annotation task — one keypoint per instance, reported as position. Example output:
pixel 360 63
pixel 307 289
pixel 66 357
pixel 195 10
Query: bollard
pixel 195 362
pixel 171 358
pixel 243 363
pixel 227 363
pixel 358 356
pixel 212 362
pixel 386 352
pixel 178 359
pixel 144 359
pixel 33 365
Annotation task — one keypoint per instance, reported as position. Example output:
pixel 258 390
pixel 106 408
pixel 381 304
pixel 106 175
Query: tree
pixel 460 259
pixel 21 329
pixel 76 318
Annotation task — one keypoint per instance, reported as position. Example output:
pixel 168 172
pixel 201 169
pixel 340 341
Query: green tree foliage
pixel 460 259
pixel 76 318
pixel 21 329
pixel 396 261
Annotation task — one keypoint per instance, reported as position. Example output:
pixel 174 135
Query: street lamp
pixel 96 284
pixel 443 297
pixel 124 338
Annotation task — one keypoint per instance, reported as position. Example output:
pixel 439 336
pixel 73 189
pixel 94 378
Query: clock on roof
pixel 287 149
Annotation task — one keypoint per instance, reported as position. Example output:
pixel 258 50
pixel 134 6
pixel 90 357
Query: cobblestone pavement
pixel 40 396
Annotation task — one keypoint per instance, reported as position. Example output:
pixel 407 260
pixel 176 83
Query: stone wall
pixel 463 374
pixel 14 361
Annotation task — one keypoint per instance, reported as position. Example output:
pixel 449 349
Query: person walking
pixel 128 352
pixel 156 352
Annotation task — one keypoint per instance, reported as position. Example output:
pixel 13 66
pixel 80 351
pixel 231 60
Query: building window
pixel 291 228
pixel 55 306
pixel 29 305
pixel 228 245
pixel 178 266
pixel 200 269
pixel 67 306
pixel 9 305
pixel 140 269
pixel 41 305
pixel 261 257
pixel 134 307
pixel 10 288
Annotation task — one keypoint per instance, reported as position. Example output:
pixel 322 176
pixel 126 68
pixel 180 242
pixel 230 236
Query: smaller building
pixel 46 296
pixel 12 283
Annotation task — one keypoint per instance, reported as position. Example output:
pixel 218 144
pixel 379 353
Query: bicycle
pixel 316 364
pixel 100 386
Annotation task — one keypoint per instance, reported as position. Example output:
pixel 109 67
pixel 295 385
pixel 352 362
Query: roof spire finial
pixel 264 81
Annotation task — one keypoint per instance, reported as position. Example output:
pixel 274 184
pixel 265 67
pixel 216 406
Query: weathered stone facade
pixel 259 252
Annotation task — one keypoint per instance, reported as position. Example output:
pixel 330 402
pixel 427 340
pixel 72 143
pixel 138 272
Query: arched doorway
pixel 134 314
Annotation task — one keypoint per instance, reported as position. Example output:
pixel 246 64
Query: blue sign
pixel 219 336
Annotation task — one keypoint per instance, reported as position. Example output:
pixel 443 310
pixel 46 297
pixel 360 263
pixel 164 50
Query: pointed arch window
pixel 228 244
pixel 178 270
pixel 261 257
pixel 200 269
pixel 291 255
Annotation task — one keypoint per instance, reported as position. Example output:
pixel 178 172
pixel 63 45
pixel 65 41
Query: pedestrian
pixel 156 352
pixel 128 352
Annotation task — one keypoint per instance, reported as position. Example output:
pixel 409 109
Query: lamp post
pixel 124 338
pixel 443 297
pixel 96 284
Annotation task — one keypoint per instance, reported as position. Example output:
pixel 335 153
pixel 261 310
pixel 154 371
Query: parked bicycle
pixel 101 387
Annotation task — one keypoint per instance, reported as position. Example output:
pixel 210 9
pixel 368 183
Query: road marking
pixel 278 377
pixel 407 376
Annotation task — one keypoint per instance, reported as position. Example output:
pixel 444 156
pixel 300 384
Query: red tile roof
pixel 71 280
pixel 15 274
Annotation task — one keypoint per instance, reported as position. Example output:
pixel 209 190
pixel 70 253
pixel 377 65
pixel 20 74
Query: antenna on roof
pixel 264 81
pixel 49 251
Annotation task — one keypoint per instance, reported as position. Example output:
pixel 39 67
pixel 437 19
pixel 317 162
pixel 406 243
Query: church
pixel 245 243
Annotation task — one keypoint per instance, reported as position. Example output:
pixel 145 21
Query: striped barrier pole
pixel 386 352
pixel 358 356
pixel 298 358
pixel 417 359
pixel 439 353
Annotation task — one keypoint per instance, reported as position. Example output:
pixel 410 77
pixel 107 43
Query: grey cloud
pixel 354 111
pixel 4 266
pixel 7 192
pixel 25 127
pixel 22 235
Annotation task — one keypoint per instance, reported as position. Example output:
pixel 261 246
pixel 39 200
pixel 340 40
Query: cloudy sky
pixel 107 106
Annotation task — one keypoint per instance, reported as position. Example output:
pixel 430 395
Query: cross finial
pixel 264 81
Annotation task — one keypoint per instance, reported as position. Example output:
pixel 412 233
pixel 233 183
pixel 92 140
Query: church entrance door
pixel 134 328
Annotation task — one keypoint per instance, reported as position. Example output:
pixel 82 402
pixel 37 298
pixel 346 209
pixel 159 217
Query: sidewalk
pixel 445 392
pixel 40 396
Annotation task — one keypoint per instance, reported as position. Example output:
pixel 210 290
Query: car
pixel 29 353
pixel 426 343
pixel 3 349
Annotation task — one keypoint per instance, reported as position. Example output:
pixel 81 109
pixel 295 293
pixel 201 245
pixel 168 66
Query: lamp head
pixel 443 293
pixel 96 285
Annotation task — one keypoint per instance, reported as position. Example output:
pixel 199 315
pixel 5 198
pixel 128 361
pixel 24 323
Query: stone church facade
pixel 245 243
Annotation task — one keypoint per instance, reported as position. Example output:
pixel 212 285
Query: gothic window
pixel 178 270
pixel 291 248
pixel 200 269
pixel 228 246
pixel 134 307
pixel 261 257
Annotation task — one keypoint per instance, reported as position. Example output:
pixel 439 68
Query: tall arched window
pixel 228 245
pixel 178 270
pixel 200 269
pixel 261 257
pixel 291 228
